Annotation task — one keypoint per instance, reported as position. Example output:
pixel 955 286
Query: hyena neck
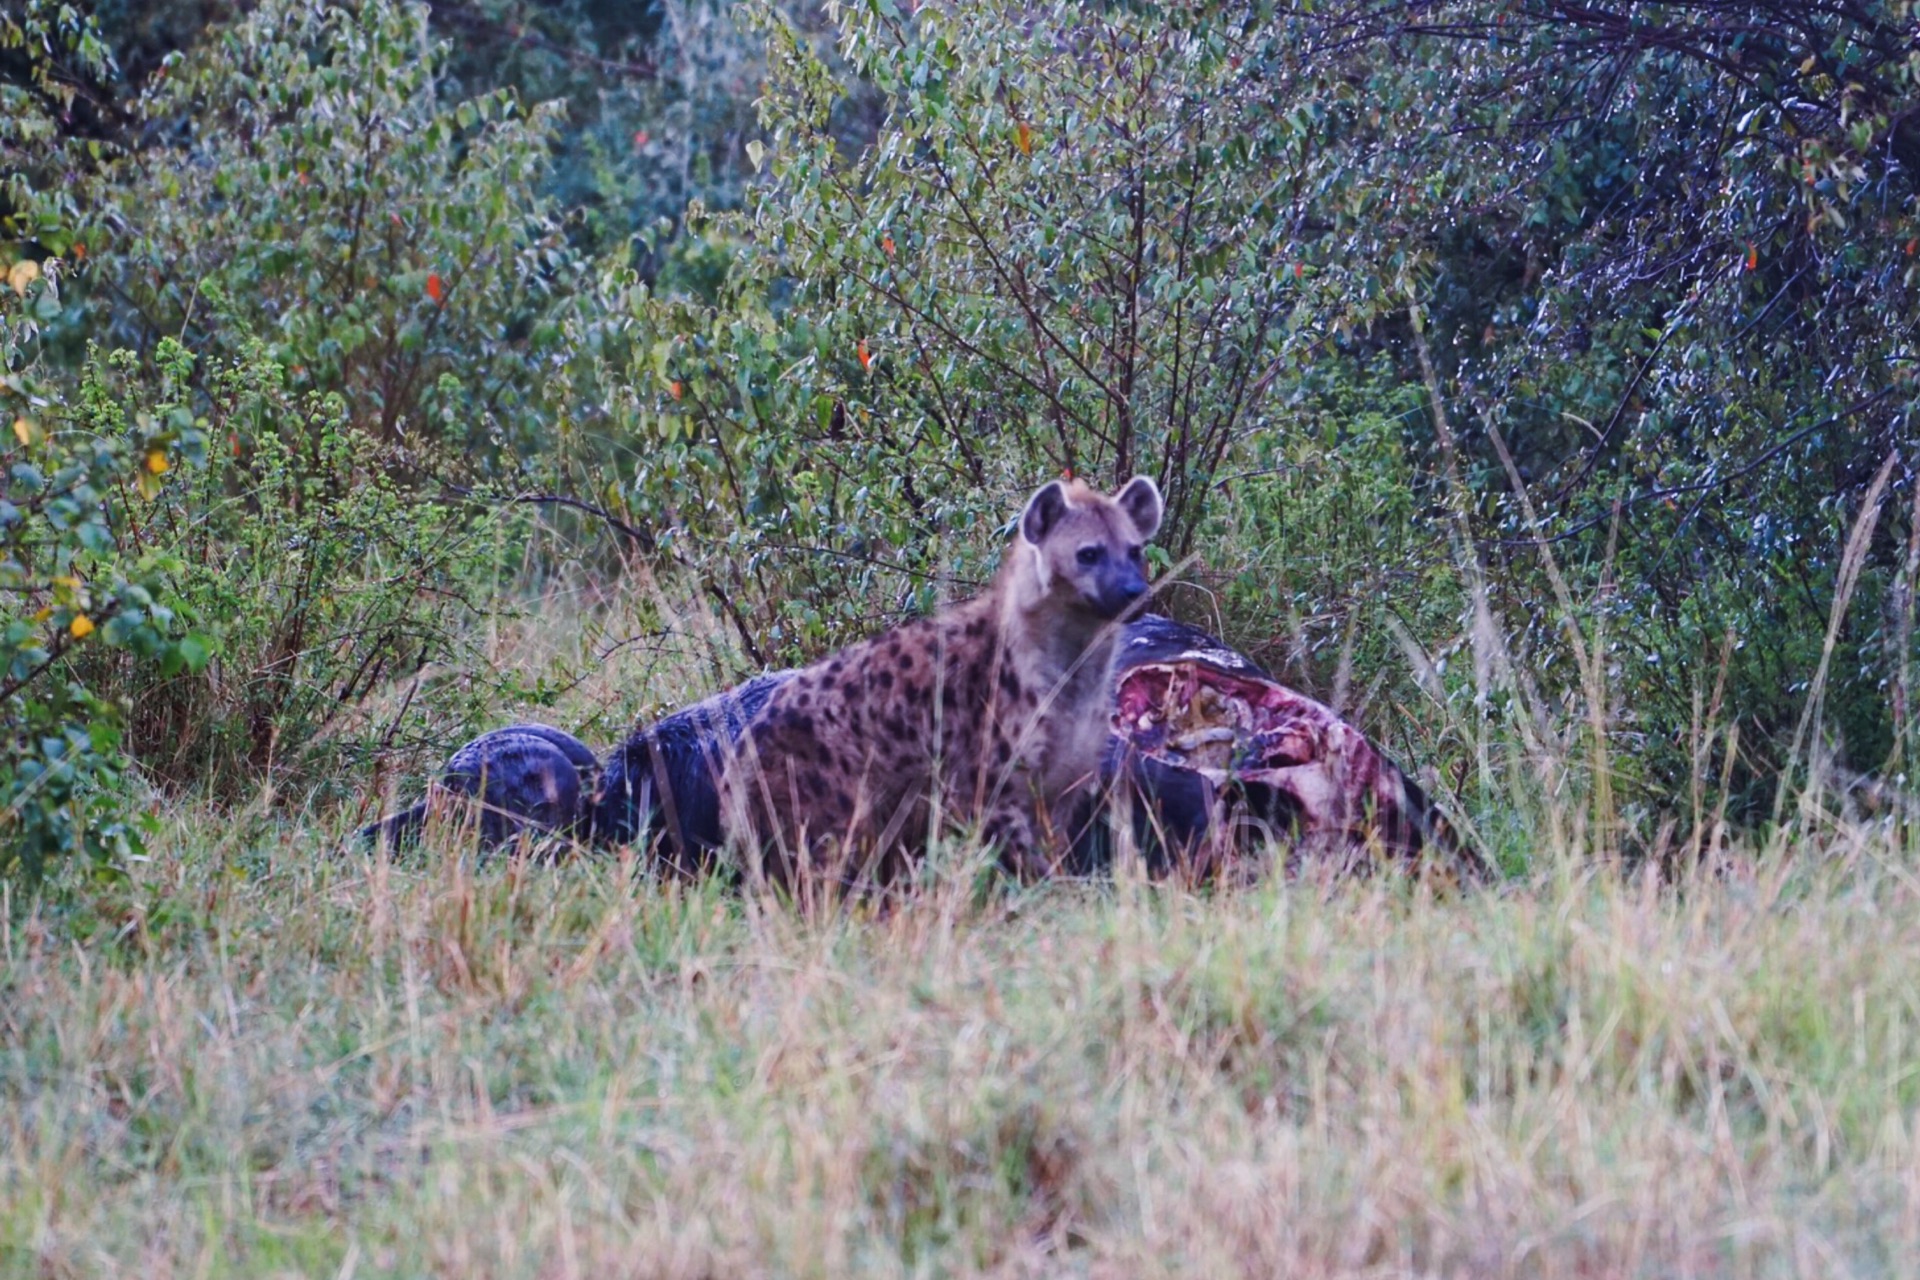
pixel 1056 649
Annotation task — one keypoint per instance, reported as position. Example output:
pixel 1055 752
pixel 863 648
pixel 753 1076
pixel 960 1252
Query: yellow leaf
pixel 44 614
pixel 1024 137
pixel 81 626
pixel 24 273
pixel 157 461
pixel 25 432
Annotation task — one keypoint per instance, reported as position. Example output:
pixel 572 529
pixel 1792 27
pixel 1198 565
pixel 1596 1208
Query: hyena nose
pixel 1122 591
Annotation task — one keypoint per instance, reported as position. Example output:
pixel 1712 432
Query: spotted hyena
pixel 991 714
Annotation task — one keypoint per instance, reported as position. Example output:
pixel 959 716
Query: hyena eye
pixel 1092 554
pixel 1133 553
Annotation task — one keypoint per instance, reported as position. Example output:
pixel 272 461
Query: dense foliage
pixel 310 353
pixel 1533 380
pixel 1672 275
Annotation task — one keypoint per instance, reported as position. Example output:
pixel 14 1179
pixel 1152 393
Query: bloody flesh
pixel 1272 754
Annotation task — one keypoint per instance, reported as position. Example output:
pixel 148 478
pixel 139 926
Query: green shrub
pixel 1051 255
pixel 1322 542
pixel 659 106
pixel 340 299
pixel 311 189
pixel 77 579
pixel 49 52
pixel 323 578
pixel 310 579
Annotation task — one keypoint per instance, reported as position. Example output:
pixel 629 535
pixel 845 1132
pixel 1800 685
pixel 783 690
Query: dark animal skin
pixel 520 778
pixel 662 779
pixel 1302 773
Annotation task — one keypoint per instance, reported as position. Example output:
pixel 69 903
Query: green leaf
pixel 196 650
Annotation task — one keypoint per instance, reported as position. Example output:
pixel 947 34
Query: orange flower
pixel 436 287
pixel 866 356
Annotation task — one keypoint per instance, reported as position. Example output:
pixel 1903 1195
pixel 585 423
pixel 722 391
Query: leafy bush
pixel 659 106
pixel 1666 257
pixel 287 544
pixel 1571 343
pixel 1052 255
pixel 75 578
pixel 310 188
pixel 322 577
pixel 339 292
pixel 1320 543
pixel 49 52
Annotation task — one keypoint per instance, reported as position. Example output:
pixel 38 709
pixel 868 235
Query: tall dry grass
pixel 302 1064
pixel 257 1056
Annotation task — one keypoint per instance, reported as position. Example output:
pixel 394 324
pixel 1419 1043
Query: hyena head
pixel 1087 547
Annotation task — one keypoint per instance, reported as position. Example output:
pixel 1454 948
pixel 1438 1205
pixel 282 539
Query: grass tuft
pixel 271 1061
pixel 257 1054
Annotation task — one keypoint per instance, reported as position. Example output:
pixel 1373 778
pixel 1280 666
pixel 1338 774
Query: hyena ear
pixel 1141 501
pixel 1043 511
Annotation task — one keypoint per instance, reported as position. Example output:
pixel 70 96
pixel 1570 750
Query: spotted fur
pixel 991 715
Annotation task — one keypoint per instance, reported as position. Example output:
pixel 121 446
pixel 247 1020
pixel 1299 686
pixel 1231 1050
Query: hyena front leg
pixel 1024 850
